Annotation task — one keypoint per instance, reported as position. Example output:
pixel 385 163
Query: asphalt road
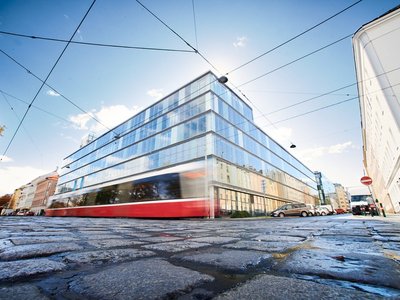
pixel 332 257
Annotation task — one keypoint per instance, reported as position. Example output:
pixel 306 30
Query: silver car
pixel 292 209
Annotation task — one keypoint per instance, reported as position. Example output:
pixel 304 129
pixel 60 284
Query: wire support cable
pixel 180 37
pixel 293 38
pixel 195 24
pixel 334 104
pixel 19 119
pixel 44 81
pixel 94 44
pixel 55 90
pixel 331 92
pixel 36 107
pixel 296 60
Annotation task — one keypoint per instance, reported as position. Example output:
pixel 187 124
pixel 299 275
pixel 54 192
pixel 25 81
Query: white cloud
pixel 5 159
pixel 14 177
pixel 52 93
pixel 80 121
pixel 155 93
pixel 240 42
pixel 311 153
pixel 110 116
pixel 339 148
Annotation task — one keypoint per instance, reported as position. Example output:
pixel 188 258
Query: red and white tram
pixel 177 192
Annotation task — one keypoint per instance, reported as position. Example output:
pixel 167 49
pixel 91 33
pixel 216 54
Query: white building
pixel 376 50
pixel 25 199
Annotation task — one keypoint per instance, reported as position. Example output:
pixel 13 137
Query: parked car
pixel 293 209
pixel 312 210
pixel 321 211
pixel 340 210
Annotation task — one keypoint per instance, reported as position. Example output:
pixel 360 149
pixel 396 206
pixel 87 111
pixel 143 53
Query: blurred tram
pixel 177 192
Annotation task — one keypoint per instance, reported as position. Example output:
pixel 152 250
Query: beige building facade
pixel 342 200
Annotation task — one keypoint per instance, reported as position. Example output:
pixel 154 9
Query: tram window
pixel 75 201
pixel 89 199
pixel 161 187
pixel 60 203
pixel 106 195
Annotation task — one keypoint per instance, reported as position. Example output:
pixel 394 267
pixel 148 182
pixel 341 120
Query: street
pixel 332 257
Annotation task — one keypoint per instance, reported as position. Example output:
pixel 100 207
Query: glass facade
pixel 247 169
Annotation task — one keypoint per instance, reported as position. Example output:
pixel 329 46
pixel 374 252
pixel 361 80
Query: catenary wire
pixel 192 92
pixel 331 105
pixel 195 24
pixel 248 99
pixel 55 90
pixel 36 107
pixel 331 92
pixel 293 38
pixel 44 82
pixel 180 37
pixel 296 60
pixel 23 127
pixel 95 44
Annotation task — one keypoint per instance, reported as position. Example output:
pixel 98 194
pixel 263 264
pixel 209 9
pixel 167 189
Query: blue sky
pixel 113 84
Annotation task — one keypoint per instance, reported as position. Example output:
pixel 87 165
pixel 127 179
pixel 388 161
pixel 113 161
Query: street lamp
pixel 223 79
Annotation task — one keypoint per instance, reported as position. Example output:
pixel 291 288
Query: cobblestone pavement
pixel 335 257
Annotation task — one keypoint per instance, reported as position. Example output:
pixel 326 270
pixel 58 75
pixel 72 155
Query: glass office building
pixel 203 125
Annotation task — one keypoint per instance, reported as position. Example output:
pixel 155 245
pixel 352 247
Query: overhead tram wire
pixel 331 92
pixel 94 44
pixel 297 59
pixel 293 38
pixel 44 82
pixel 312 98
pixel 334 104
pixel 222 79
pixel 292 145
pixel 36 107
pixel 180 37
pixel 237 88
pixel 23 127
pixel 55 90
pixel 195 24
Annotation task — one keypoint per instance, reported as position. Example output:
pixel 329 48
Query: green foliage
pixel 240 214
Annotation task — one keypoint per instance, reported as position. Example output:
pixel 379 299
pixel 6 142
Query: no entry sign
pixel 366 180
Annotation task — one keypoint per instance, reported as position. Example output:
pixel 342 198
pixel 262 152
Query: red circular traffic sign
pixel 366 180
